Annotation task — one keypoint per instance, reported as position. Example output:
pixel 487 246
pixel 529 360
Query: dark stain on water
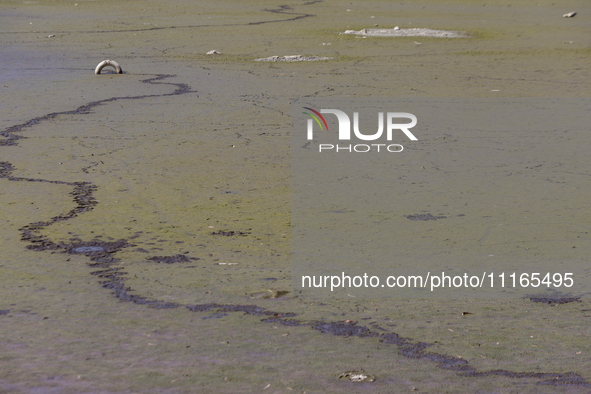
pixel 284 322
pixel 94 247
pixel 87 249
pixel 102 258
pixel 286 10
pixel 424 217
pixel 554 300
pixel 343 329
pixel 229 233
pixel 177 258
pixel 215 316
pixel 550 379
pixel 417 350
pixel 11 136
pixel 282 9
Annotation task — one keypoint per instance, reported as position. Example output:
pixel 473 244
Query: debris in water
pixel 415 32
pixel 358 376
pixel 292 58
pixel 106 63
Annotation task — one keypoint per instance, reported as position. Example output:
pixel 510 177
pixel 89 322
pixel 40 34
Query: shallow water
pixel 170 170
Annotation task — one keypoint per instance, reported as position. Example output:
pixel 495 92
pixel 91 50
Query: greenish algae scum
pixel 170 170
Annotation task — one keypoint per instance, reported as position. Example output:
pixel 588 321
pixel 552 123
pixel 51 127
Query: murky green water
pixel 170 170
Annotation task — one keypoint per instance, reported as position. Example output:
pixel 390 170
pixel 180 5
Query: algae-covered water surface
pixel 147 215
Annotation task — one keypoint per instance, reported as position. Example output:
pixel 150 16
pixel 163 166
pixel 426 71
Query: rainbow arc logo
pixel 316 115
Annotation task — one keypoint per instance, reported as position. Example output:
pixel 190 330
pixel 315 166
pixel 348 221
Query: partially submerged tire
pixel 106 63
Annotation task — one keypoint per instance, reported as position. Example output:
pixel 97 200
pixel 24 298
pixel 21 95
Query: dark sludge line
pixel 82 196
pixel 114 280
pixel 281 10
pixel 102 253
pixel 83 191
pixel 11 138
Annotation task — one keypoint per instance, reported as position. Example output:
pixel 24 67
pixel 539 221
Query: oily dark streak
pixel 554 300
pixel 10 133
pixel 283 9
pixel 177 258
pixel 102 257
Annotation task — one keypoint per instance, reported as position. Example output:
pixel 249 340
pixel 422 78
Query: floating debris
pixel 106 63
pixel 292 58
pixel 357 376
pixel 213 52
pixel 569 15
pixel 415 32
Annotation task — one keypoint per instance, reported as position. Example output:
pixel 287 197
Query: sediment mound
pixel 415 32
